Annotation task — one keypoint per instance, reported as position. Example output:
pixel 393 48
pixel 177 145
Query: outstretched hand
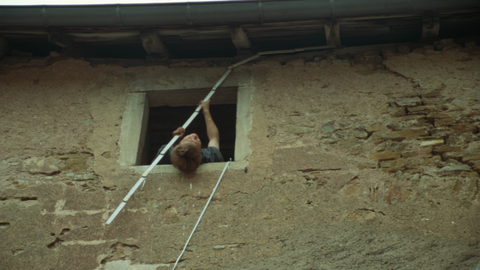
pixel 179 131
pixel 212 130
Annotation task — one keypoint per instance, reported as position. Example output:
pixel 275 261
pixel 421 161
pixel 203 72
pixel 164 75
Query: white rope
pixel 201 215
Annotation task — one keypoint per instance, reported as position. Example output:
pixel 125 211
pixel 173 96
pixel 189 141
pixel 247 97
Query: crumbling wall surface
pixel 365 162
pixel 59 126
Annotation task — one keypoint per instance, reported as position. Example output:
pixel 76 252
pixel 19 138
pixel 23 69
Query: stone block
pixel 328 127
pixel 442 115
pixel 426 109
pixel 399 135
pixel 439 150
pixel 408 102
pixel 468 158
pixel 432 161
pixel 349 144
pixel 415 171
pixel 422 122
pixel 393 165
pixel 352 188
pixel 80 176
pixel 444 122
pixel 461 128
pixel 308 124
pixel 390 145
pixel 76 162
pixel 468 138
pixel 441 132
pixel 43 165
pixel 383 109
pixel 476 166
pixel 408 133
pixel 117 265
pixel 434 142
pixel 376 128
pixel 465 119
pixel 408 154
pixel 471 188
pixel 397 111
pixel 470 174
pixel 386 155
pixel 359 134
pixel 453 155
pixel 433 101
pixel 433 94
pixel 463 167
pixel 365 166
pixel 298 129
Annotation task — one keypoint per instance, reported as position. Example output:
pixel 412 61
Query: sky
pixel 90 2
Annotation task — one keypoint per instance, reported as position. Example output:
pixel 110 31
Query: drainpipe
pixel 187 14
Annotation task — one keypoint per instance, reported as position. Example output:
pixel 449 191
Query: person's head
pixel 186 156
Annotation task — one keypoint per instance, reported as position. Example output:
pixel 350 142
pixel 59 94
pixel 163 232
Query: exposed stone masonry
pixel 368 159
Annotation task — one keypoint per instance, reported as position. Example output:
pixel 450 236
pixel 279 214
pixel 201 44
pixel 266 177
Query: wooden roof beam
pixel 153 45
pixel 60 39
pixel 431 26
pixel 332 33
pixel 240 38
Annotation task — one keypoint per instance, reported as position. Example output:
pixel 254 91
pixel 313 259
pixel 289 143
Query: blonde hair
pixel 186 157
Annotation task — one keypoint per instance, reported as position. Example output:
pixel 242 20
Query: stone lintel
pixel 198 78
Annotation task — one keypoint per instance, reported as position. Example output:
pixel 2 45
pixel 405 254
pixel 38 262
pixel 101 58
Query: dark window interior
pixel 163 120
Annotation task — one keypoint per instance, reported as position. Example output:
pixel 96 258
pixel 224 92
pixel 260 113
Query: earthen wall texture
pixel 369 161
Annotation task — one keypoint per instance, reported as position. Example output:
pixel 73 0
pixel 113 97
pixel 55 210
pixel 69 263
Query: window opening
pixel 163 120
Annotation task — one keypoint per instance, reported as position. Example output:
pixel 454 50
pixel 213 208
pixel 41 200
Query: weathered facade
pixel 365 161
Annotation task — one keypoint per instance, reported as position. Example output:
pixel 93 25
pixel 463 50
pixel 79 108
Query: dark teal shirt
pixel 210 154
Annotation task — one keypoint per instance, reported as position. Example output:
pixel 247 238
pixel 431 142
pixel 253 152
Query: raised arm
pixel 212 130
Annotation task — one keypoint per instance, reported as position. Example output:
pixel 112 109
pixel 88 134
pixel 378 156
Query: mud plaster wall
pixel 369 161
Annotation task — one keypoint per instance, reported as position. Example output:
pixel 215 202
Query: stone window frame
pixel 133 131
